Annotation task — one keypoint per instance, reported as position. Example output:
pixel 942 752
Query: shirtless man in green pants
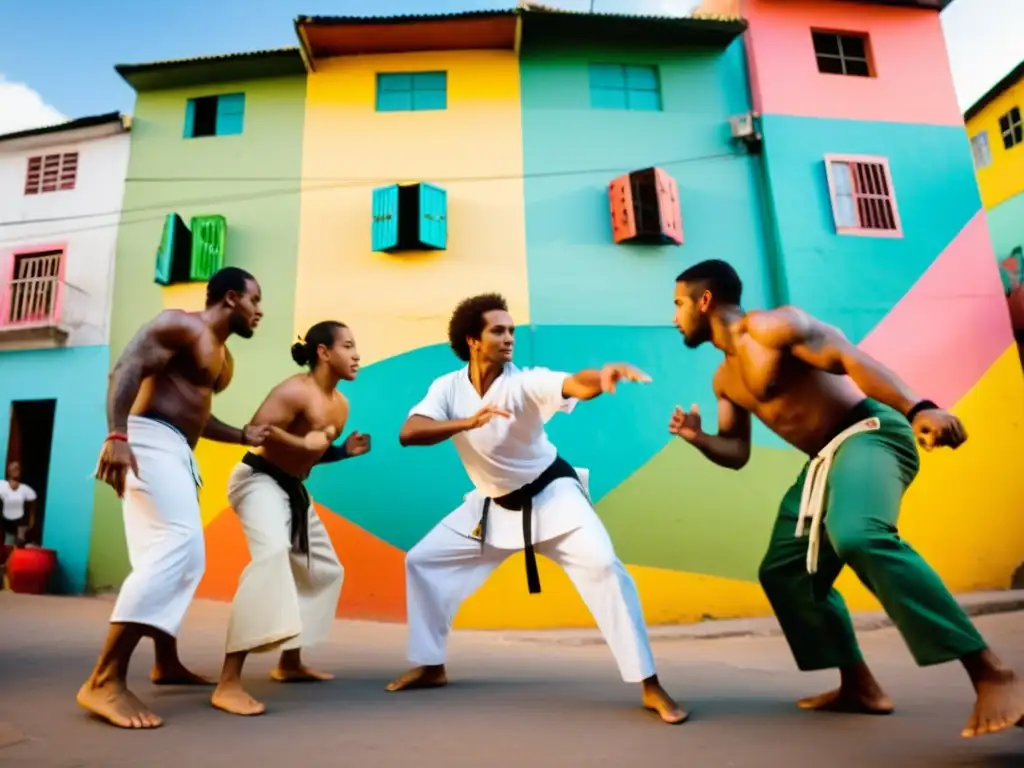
pixel 858 422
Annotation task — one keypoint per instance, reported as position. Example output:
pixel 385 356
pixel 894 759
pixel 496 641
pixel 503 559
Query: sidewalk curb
pixel 975 604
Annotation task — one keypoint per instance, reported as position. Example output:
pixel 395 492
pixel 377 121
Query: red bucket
pixel 30 571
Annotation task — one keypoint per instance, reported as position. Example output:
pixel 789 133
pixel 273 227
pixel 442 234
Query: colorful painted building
pixel 996 131
pixel 389 167
pixel 61 189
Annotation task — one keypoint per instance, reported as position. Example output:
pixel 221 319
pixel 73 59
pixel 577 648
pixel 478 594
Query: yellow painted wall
pixel 1004 177
pixel 473 149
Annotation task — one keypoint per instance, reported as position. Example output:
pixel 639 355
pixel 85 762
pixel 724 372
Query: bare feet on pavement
pixel 232 698
pixel 300 674
pixel 177 675
pixel 117 705
pixel 656 699
pixel 1000 705
pixel 860 702
pixel 420 677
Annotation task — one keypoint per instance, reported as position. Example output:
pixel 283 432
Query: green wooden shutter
pixel 190 118
pixel 384 233
pixel 172 252
pixel 209 242
pixel 230 113
pixel 433 216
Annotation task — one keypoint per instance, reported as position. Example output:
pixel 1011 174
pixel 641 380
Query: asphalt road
pixel 511 703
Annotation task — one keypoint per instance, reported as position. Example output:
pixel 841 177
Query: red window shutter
pixel 68 170
pixel 620 197
pixel 33 175
pixel 668 206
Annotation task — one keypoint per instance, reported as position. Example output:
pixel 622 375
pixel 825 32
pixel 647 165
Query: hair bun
pixel 300 353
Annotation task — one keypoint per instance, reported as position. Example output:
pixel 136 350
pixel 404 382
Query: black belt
pixel 298 498
pixel 522 499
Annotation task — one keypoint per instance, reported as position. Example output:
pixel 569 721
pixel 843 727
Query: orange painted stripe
pixel 374 587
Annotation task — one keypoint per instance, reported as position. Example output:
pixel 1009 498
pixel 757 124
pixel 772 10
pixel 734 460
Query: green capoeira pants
pixel 869 474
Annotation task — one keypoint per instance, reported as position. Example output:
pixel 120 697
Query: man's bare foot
pixel 232 698
pixel 300 674
pixel 420 677
pixel 852 702
pixel 1000 705
pixel 117 705
pixel 657 700
pixel 178 675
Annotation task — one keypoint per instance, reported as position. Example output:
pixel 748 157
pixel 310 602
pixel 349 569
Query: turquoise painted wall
pixel 935 190
pixel 76 377
pixel 1006 224
pixel 578 276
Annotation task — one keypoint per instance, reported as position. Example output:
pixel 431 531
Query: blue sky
pixel 72 73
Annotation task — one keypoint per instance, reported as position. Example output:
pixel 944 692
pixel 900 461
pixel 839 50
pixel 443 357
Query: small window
pixel 409 217
pixel 625 86
pixel 32 295
pixel 863 199
pixel 412 91
pixel 1012 129
pixel 51 173
pixel 645 208
pixel 190 255
pixel 221 115
pixel 980 150
pixel 842 53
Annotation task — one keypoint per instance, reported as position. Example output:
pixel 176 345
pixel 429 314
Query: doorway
pixel 29 443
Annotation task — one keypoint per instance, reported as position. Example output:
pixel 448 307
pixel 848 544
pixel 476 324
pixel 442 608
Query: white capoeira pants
pixel 162 527
pixel 447 566
pixel 283 600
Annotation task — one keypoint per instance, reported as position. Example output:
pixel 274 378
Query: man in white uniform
pixel 18 501
pixel 495 414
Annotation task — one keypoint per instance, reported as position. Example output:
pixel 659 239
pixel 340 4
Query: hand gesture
pixel 255 435
pixel 935 429
pixel 357 444
pixel 613 373
pixel 484 415
pixel 686 425
pixel 317 440
pixel 116 459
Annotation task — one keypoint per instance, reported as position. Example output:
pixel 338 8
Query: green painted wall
pixel 253 179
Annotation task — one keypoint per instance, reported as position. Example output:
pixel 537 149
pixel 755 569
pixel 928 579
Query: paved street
pixel 512 703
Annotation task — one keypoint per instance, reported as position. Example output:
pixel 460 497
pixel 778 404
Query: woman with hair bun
pixel 287 596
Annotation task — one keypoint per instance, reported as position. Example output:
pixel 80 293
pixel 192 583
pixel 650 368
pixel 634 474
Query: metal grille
pixel 873 196
pixel 51 173
pixel 32 295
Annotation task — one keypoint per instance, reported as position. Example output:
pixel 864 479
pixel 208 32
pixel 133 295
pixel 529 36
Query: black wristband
pixel 922 405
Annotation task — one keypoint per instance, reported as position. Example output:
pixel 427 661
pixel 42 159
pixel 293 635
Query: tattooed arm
pixel 147 353
pixel 826 348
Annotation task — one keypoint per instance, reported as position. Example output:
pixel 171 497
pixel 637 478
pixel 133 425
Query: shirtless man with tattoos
pixel 158 406
pixel 858 424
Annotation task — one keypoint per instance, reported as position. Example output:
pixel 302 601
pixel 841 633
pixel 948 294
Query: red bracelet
pixel 117 436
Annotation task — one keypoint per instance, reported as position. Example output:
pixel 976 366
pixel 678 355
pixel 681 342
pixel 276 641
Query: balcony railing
pixel 41 303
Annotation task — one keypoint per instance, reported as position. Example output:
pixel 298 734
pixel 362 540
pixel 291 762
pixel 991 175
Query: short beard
pixel 240 328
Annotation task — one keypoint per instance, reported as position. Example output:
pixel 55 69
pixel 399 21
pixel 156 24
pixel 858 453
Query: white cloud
pixel 21 108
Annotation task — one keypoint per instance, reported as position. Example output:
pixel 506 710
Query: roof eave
pixel 179 73
pixel 121 121
pixel 993 93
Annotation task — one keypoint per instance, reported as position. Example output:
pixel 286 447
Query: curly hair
pixel 468 321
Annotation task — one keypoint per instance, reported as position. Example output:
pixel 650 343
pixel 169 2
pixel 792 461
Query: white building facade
pixel 61 191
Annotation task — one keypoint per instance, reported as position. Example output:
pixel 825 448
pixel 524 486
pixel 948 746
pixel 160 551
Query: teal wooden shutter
pixel 165 252
pixel 209 242
pixel 230 113
pixel 433 216
pixel 190 117
pixel 384 234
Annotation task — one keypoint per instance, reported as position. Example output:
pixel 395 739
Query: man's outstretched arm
pixel 826 348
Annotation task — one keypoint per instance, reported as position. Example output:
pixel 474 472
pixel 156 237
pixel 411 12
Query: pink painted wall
pixel 913 82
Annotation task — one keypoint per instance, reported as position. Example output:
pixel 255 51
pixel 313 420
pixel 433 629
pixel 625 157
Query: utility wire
pixel 330 184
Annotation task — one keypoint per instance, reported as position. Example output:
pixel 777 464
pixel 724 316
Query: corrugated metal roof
pixel 992 93
pixel 91 121
pixel 266 53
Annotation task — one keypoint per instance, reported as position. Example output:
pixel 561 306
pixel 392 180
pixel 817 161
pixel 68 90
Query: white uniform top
pixel 14 499
pixel 506 453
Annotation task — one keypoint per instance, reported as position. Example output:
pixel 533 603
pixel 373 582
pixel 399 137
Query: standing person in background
pixel 19 506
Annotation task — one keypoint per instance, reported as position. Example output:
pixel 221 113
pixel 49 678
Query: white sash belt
pixel 812 500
